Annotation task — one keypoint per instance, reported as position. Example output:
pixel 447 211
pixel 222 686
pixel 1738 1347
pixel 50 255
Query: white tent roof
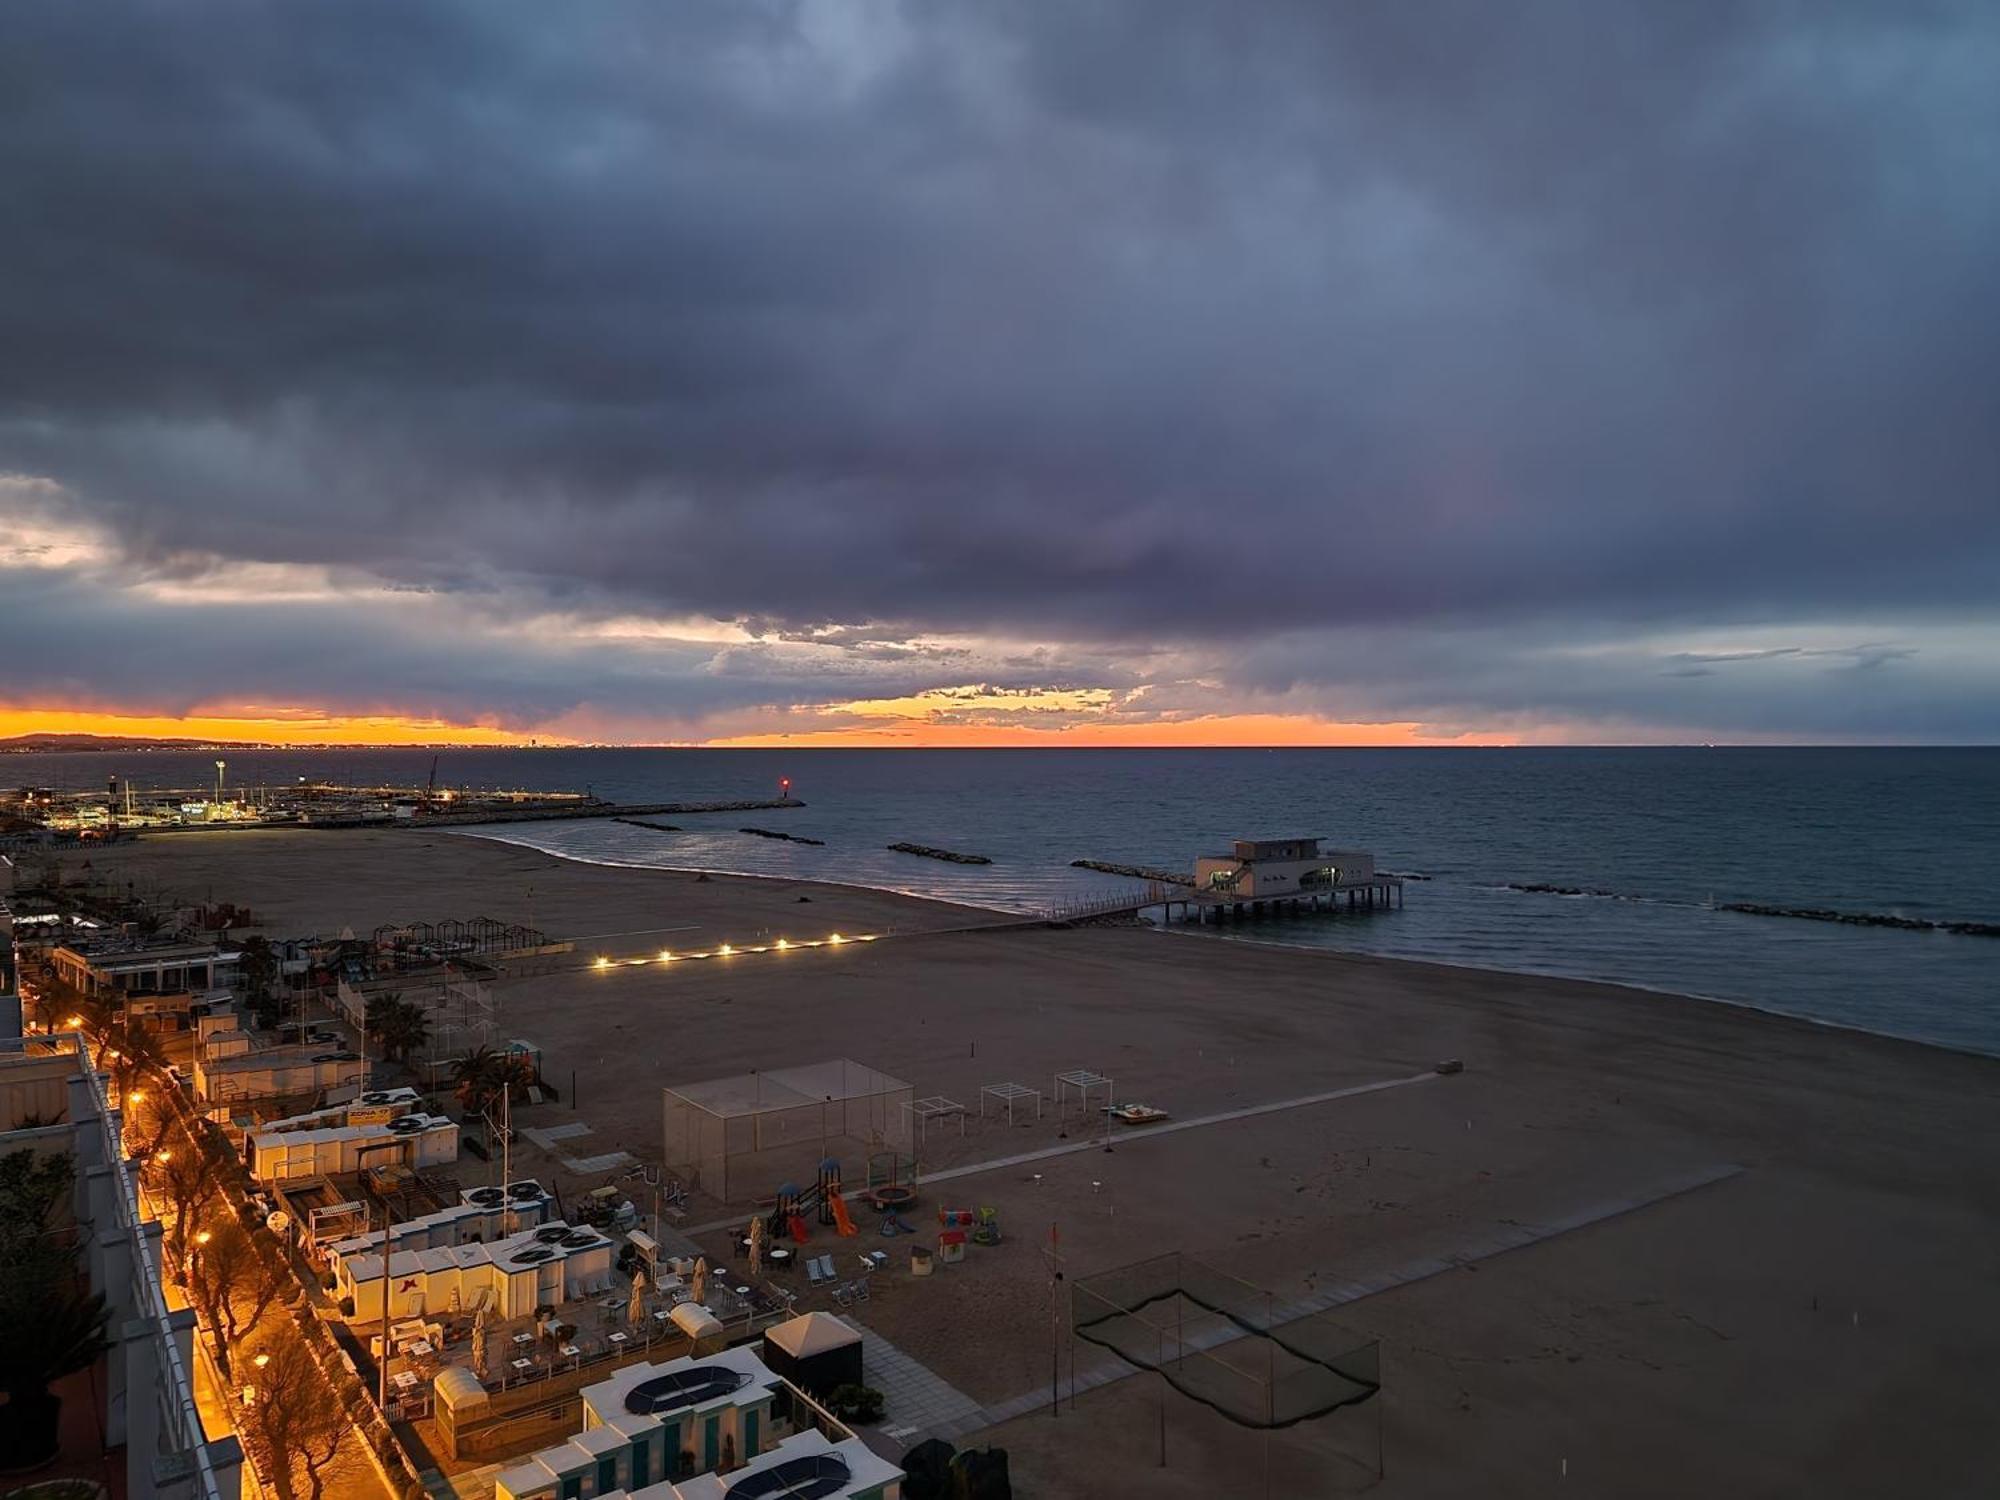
pixel 814 1333
pixel 787 1088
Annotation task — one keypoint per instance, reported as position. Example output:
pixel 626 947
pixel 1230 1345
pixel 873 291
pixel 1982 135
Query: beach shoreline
pixel 1502 1231
pixel 1008 916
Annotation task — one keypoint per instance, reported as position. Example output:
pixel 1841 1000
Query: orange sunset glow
pixel 1215 730
pixel 881 731
pixel 264 727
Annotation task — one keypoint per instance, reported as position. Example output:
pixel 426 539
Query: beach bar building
pixel 480 1215
pixel 115 965
pixel 273 1073
pixel 285 1155
pixel 552 1264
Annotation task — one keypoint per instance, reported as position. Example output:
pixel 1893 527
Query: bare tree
pixel 180 1174
pixel 294 1419
pixel 231 1284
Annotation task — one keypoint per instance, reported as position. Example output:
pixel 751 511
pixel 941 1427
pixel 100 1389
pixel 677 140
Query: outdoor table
pixel 618 1338
pixel 570 1351
pixel 743 1291
pixel 405 1379
pixel 778 1256
pixel 422 1349
pixel 524 1364
pixel 524 1338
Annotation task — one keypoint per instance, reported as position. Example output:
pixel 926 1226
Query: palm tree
pixel 258 967
pixel 399 1026
pixel 408 1029
pixel 481 1076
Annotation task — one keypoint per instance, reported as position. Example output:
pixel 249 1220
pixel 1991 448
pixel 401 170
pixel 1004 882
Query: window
pixel 607 1475
pixel 642 1468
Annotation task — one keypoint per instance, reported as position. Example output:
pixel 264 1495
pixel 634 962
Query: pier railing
pixel 1082 908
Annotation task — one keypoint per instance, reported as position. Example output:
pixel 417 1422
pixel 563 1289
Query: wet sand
pixel 1824 1320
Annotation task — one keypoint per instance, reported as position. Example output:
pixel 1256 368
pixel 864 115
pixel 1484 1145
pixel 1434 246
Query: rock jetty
pixel 772 833
pixel 656 827
pixel 948 855
pixel 1136 872
pixel 1863 918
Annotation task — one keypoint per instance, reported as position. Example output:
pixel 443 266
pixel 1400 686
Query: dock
pixel 1379 893
pixel 1257 877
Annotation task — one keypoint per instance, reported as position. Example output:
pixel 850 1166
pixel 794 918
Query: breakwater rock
pixel 790 838
pixel 1540 889
pixel 1863 918
pixel 948 855
pixel 656 827
pixel 1136 872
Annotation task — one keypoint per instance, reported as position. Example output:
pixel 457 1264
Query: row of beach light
pixel 725 950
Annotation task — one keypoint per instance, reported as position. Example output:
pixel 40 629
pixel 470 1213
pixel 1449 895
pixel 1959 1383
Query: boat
pixel 1137 1114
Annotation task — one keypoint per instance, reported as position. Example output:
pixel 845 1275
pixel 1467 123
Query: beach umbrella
pixel 479 1344
pixel 635 1310
pixel 700 1283
pixel 757 1244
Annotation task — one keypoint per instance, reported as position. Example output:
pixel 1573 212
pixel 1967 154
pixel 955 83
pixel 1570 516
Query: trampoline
pixel 808 1478
pixel 684 1388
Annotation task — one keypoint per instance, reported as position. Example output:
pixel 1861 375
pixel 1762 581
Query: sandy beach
pixel 1820 1315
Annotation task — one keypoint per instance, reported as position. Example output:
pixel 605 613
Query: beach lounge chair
pixel 819 1270
pixel 850 1292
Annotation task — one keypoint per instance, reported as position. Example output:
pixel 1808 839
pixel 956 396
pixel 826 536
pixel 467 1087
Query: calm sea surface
pixel 1664 833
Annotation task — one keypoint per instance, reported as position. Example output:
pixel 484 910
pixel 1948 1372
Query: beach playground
pixel 1639 1245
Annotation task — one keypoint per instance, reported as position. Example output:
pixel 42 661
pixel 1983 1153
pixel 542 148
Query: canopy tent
pixel 715 1129
pixel 818 1353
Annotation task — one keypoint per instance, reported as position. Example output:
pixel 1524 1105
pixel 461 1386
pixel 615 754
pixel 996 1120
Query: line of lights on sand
pixel 724 950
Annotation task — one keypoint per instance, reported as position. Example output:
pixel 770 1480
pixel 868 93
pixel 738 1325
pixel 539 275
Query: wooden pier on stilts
pixel 1378 893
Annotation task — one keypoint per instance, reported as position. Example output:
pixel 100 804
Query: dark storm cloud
pixel 1099 323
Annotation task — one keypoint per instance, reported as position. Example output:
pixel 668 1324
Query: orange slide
pixel 842 1221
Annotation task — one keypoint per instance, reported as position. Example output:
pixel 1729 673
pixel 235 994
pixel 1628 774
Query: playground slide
pixel 799 1231
pixel 841 1219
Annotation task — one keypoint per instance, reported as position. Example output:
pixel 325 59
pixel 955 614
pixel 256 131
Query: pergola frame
pixel 1084 1083
pixel 1008 1094
pixel 933 1107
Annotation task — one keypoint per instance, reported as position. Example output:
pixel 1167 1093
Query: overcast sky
pixel 1584 371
